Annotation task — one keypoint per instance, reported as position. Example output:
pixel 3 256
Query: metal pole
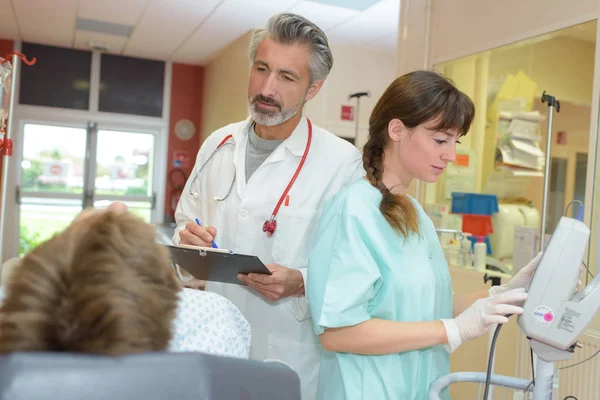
pixel 544 379
pixel 6 155
pixel 89 179
pixel 552 102
pixel 357 117
pixel 358 95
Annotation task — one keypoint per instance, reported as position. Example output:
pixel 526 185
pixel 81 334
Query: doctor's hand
pixel 475 320
pixel 521 279
pixel 283 283
pixel 197 235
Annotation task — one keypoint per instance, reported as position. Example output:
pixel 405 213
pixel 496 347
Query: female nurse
pixel 379 288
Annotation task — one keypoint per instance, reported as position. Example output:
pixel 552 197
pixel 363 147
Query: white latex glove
pixel 520 280
pixel 475 320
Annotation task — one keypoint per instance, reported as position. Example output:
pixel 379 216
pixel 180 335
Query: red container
pixel 477 225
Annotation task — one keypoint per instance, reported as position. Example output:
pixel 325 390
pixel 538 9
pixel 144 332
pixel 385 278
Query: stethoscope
pixel 271 224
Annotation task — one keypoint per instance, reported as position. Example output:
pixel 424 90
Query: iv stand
pixel 552 102
pixel 6 148
pixel 358 95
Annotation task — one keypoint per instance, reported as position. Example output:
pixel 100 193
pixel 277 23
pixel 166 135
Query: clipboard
pixel 215 265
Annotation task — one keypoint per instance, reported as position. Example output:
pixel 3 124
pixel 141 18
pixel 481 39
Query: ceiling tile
pixel 166 24
pixel 190 31
pixel 358 5
pixel 125 12
pixel 323 15
pixel 231 20
pixel 8 27
pixel 83 39
pixel 378 21
pixel 41 23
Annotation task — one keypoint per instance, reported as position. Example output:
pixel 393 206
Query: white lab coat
pixel 283 329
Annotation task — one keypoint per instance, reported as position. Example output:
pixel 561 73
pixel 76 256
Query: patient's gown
pixel 359 269
pixel 209 323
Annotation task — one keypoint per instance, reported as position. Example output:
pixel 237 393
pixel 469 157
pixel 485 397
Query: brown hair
pixel 102 286
pixel 414 98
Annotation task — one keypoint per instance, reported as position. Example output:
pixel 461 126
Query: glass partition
pixel 504 153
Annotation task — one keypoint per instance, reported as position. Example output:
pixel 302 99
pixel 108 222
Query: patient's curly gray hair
pixel 292 29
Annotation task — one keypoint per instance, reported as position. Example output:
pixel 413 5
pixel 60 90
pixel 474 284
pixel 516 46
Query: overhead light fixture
pixel 108 28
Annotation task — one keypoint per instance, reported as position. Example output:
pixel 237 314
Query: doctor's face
pixel 425 152
pixel 279 82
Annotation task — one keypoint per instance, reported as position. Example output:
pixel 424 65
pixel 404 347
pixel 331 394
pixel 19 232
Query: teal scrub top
pixel 359 269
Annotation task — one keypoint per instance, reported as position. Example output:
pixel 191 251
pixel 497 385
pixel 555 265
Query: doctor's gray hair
pixel 292 29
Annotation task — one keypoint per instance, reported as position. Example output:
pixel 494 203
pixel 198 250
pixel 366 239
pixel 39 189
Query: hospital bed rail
pixel 507 382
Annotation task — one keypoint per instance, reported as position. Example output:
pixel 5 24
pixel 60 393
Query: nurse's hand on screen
pixel 521 279
pixel 197 235
pixel 475 320
pixel 283 282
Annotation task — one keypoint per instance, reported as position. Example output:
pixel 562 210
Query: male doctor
pixel 258 187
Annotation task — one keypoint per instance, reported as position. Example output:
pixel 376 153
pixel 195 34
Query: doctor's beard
pixel 271 117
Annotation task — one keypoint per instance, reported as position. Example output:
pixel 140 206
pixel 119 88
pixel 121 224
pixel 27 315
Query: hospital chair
pixel 149 376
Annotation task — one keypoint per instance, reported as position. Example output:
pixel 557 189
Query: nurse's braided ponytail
pixel 396 208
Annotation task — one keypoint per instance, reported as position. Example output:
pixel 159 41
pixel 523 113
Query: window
pixel 59 78
pixel 131 85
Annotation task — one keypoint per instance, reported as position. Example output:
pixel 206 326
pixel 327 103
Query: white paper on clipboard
pixel 215 265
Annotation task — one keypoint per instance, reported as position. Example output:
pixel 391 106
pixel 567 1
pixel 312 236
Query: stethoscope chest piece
pixel 269 227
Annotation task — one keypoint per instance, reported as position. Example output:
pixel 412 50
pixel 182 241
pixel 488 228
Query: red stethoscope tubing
pixel 270 225
pixel 224 141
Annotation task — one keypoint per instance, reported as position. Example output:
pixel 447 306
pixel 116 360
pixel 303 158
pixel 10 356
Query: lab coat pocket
pixel 304 358
pixel 295 234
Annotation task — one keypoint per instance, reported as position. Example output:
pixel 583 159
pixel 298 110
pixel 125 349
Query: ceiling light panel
pixel 323 15
pixel 107 28
pixel 378 21
pixel 358 5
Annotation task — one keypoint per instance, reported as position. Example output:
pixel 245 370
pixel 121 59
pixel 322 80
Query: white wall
pixel 225 98
pixel 354 70
pixel 413 36
pixel 462 27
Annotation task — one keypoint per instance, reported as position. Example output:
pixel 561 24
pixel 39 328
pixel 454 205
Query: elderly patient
pixel 104 286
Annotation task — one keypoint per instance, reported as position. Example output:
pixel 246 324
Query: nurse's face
pixel 424 152
pixel 279 82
